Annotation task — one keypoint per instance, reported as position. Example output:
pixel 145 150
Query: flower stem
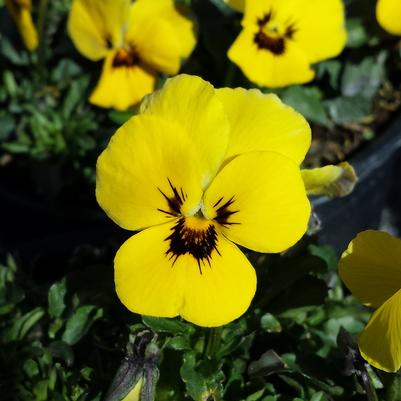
pixel 41 30
pixel 213 342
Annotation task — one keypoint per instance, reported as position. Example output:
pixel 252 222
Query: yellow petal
pixel 264 68
pixel 123 86
pixel 320 30
pixel 380 343
pixel 151 281
pixel 388 14
pixel 237 5
pixel 21 12
pixel 262 122
pixel 95 26
pixel 193 104
pixel 162 33
pixel 135 393
pixel 260 201
pixel 371 267
pixel 330 180
pixel 148 173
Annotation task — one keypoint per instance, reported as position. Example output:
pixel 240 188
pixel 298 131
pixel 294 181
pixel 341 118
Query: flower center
pixel 125 58
pixel 271 35
pixel 195 236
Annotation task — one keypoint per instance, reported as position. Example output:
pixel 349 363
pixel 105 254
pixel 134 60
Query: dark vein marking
pixel 223 213
pixel 174 202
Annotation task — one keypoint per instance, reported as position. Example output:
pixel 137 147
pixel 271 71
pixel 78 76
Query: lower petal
pixel 264 68
pixel 153 280
pixel 122 87
pixel 380 342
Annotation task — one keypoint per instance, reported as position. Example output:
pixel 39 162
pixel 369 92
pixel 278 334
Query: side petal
pixel 330 180
pixel 259 200
pixel 320 30
pixel 371 267
pixel 262 122
pixel 379 342
pixel 162 32
pixel 148 174
pixel 388 14
pixel 95 26
pixel 122 87
pixel 194 105
pixel 150 282
pixel 264 68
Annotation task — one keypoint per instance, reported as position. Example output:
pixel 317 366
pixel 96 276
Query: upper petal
pixel 193 105
pixel 263 123
pixel 162 32
pixel 148 173
pixel 260 201
pixel 379 342
pixel 388 14
pixel 264 68
pixel 237 5
pixel 152 281
pixel 371 267
pixel 96 25
pixel 122 86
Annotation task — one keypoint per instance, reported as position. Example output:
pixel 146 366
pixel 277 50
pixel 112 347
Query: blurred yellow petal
pixel 320 32
pixel 380 342
pixel 151 279
pixel 194 105
pixel 262 122
pixel 122 86
pixel 95 26
pixel 371 267
pixel 338 180
pixel 162 33
pixel 265 68
pixel 237 5
pixel 135 393
pixel 148 174
pixel 259 200
pixel 21 12
pixel 388 14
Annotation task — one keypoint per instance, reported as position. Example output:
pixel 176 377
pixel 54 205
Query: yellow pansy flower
pixel 371 269
pixel 20 10
pixel 198 171
pixel 388 14
pixel 137 40
pixel 280 39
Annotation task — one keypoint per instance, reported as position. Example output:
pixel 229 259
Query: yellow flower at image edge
pixel 198 171
pixel 20 10
pixel 281 39
pixel 137 40
pixel 388 14
pixel 371 269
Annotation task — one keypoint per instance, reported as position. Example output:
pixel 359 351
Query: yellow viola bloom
pixel 20 10
pixel 137 40
pixel 371 269
pixel 280 39
pixel 237 5
pixel 198 171
pixel 388 14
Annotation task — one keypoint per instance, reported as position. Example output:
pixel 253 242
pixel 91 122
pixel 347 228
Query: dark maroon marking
pixel 223 212
pixel 198 243
pixel 174 202
pixel 273 44
pixel 125 58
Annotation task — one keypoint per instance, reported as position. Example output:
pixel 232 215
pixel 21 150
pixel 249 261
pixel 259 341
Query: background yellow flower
pixel 137 40
pixel 371 269
pixel 388 14
pixel 281 39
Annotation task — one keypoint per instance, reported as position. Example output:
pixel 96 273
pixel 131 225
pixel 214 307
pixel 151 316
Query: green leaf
pixel 7 125
pixel 56 296
pixel 120 117
pixel 267 364
pixel 319 396
pixel 61 350
pixel 393 392
pixel 269 323
pixel 256 396
pixel 79 323
pixel 166 325
pixel 349 109
pixel 23 325
pixel 357 35
pixel 308 101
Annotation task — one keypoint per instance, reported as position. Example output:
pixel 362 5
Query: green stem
pixel 213 342
pixel 41 31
